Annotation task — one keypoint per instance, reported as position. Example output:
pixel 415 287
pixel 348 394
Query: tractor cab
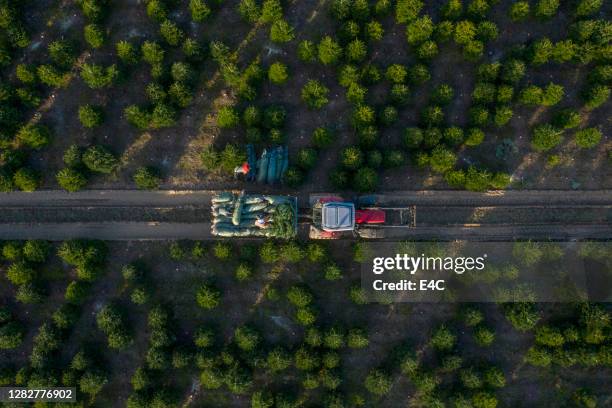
pixel 337 216
pixel 332 218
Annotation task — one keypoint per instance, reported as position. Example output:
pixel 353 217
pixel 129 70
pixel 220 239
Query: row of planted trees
pixel 45 366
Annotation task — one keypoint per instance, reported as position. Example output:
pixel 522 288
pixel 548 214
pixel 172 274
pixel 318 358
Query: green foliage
pixel 432 115
pixel 419 30
pixel 19 273
pixel 243 272
pixel 26 73
pixel 29 294
pixel 126 52
pixel 156 10
pixel 549 336
pixel 427 50
pixel 99 159
pixel 588 7
pixel 34 136
pixel 170 32
pixel 314 94
pixel 452 10
pixel 274 117
pixel 277 73
pixel 483 336
pixel 474 137
pixel 94 36
pixel 472 316
pixel 351 157
pixel 365 180
pixel 355 51
pixel 465 32
pixel 596 95
pixel 546 137
pixel 484 399
pixel 532 95
pixel 70 179
pixel 11 335
pixel 281 32
pixel 294 177
pixel 299 296
pixel 227 117
pixel 208 297
pixel 374 31
pixel 583 397
pixel 12 250
pixel 396 73
pixel 199 10
pixel 522 316
pixel 90 116
pixel 307 51
pixel 269 253
pixel 413 137
pixel 588 138
pixel 512 71
pixel 470 378
pixel 388 115
pixel 329 51
pixel 137 116
pixel 332 272
pixel 442 94
pixel 357 338
pixel 442 159
pixel 502 116
pixel 567 119
pixel 152 53
pixel 147 178
pixel 519 11
pixel 334 338
pixel 306 158
pixel 96 76
pixel 26 179
pixel 246 338
pixel 546 9
pixel 36 251
pixel 419 74
pixel 278 360
pixel 473 50
pixel 61 53
pixel 378 382
pixel 111 321
pixel 407 10
pixel 76 292
pixel 443 338
pixel 322 138
pixel 487 31
pixel 537 356
pixel 552 95
pixel 271 11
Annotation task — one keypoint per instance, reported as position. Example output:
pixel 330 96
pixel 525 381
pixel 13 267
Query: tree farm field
pixel 446 98
pixel 221 325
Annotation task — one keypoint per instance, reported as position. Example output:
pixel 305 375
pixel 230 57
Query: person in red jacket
pixel 242 169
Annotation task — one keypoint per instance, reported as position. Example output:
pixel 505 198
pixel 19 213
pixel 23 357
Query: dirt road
pixel 444 215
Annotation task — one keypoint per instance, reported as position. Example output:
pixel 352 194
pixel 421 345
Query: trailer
pixel 237 214
pixel 334 218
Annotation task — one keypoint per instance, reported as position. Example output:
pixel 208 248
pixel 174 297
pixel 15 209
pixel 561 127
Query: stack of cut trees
pixel 235 215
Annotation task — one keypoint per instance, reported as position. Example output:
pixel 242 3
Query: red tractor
pixel 334 217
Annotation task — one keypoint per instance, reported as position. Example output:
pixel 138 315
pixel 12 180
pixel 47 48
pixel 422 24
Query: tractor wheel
pixel 371 233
